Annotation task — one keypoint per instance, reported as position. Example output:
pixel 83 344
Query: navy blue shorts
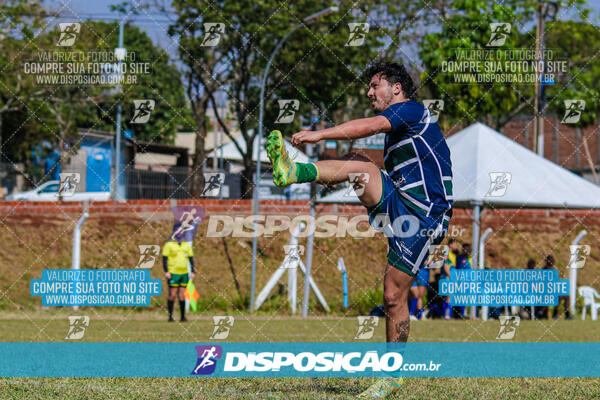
pixel 410 232
pixel 422 278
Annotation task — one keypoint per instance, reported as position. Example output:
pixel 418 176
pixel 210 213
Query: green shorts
pixel 397 262
pixel 383 208
pixel 179 280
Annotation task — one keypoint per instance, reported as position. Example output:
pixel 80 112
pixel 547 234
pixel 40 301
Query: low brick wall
pixel 539 218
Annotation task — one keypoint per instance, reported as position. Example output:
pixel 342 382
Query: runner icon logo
pixel 207 359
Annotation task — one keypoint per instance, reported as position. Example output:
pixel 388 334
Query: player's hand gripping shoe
pixel 284 169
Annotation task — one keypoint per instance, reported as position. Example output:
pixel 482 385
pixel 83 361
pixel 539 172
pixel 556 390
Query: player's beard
pixel 381 104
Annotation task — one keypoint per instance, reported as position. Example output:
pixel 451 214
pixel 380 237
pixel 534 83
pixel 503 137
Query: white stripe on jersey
pixel 438 165
pixel 394 147
pixel 404 164
pixel 411 185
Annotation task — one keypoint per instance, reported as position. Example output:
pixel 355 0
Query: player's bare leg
pixel 337 171
pixel 396 285
pixel 396 282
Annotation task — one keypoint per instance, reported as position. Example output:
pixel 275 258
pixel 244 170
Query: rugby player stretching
pixel 414 188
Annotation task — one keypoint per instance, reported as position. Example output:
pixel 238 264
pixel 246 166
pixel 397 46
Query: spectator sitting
pixel 449 264
pixel 542 312
pixel 463 261
pixel 526 312
pixel 550 264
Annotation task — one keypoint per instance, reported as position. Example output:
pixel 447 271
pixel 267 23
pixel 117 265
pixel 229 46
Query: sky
pixel 156 25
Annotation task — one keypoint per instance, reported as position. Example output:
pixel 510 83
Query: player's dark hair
pixel 451 240
pixel 393 73
pixel 531 263
pixel 550 260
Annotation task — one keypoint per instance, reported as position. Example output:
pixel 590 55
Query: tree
pixel 199 71
pixel 161 84
pixel 58 110
pixel 314 66
pixel 18 19
pixel 467 27
pixel 578 43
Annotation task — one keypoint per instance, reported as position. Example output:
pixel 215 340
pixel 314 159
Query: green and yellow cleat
pixel 284 169
pixel 382 388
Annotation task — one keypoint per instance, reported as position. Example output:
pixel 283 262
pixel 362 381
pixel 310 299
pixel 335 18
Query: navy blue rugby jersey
pixel 417 158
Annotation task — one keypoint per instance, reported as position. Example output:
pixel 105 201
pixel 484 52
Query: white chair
pixel 589 294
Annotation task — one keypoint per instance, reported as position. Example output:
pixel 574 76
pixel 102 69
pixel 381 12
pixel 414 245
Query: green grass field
pixel 125 326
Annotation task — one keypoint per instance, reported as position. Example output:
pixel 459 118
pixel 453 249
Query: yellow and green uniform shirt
pixel 177 256
pixel 451 260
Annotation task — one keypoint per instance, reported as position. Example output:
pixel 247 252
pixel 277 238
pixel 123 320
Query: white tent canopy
pixel 230 151
pixel 480 154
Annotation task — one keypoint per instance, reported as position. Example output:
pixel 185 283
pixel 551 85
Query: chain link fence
pixel 174 183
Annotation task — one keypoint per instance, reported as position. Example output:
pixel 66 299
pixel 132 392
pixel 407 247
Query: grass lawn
pixel 151 327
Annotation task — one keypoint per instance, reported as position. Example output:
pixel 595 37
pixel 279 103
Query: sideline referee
pixel 175 263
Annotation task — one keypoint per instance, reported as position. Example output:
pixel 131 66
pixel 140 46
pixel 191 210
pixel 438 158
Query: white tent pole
pixel 262 296
pixel 314 287
pixel 481 265
pixel 293 286
pixel 573 271
pixel 309 252
pixel 76 258
pixel 475 244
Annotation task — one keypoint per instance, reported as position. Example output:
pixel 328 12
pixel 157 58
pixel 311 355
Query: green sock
pixel 306 172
